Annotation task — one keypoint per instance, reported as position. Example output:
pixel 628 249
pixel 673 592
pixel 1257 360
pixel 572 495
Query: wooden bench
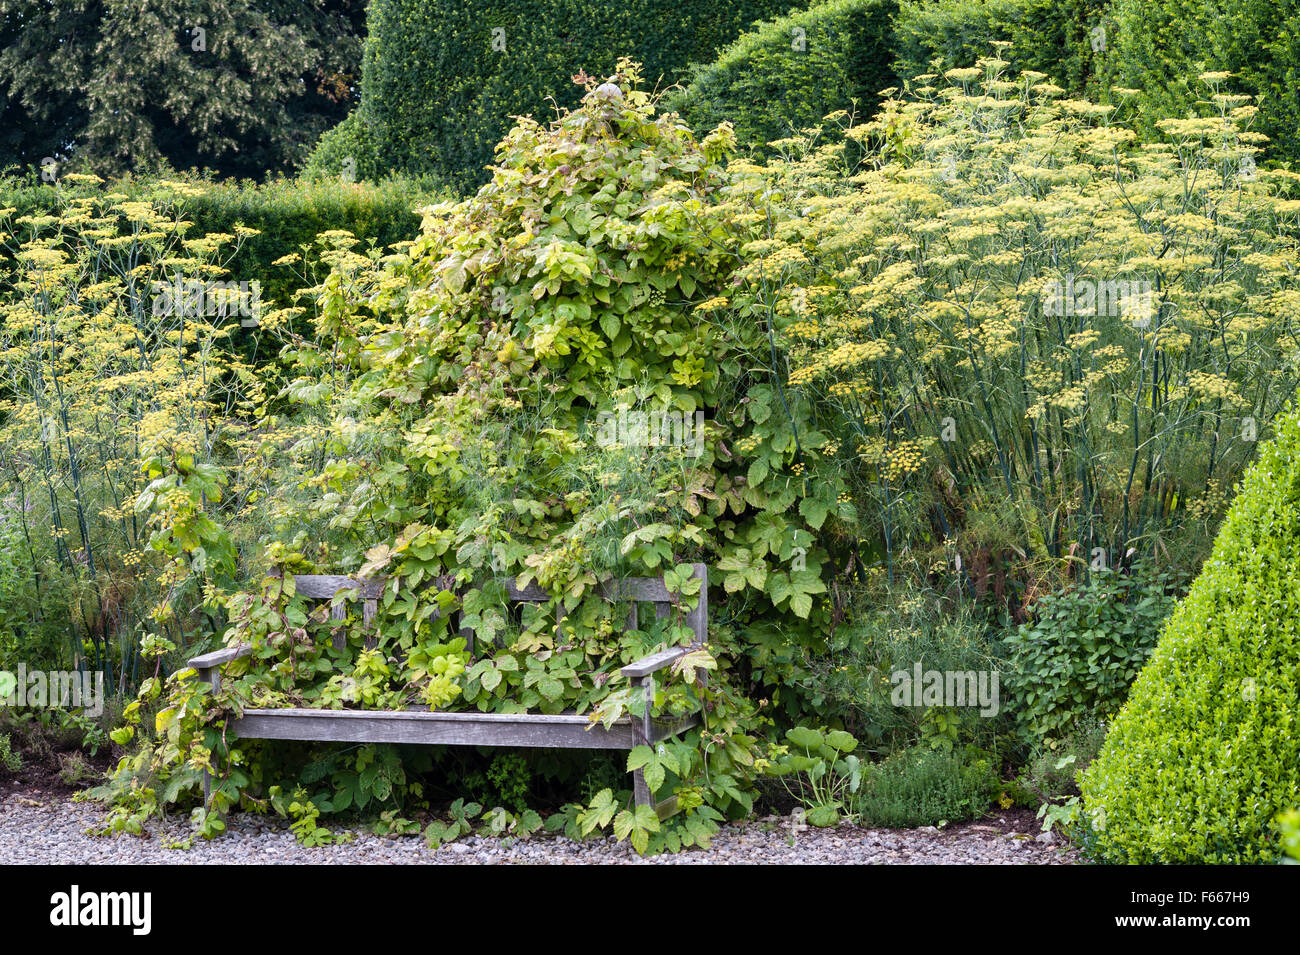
pixel 419 725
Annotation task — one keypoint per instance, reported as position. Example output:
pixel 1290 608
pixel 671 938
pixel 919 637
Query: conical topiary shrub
pixel 1206 752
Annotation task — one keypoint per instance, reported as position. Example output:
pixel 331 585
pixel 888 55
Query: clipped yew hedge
pixel 1053 37
pixel 792 71
pixel 443 79
pixel 1162 45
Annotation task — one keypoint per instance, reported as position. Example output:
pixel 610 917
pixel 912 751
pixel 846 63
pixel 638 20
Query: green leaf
pixel 654 776
pixel 810 739
pixel 801 604
pixel 823 816
pixel 639 757
pixel 841 741
pixel 814 511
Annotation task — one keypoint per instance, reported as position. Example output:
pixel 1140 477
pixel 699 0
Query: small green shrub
pixel 1206 752
pixel 1051 778
pixel 348 148
pixel 48 734
pixel 849 683
pixel 1053 774
pixel 819 770
pixel 75 770
pixel 924 787
pixel 601 770
pixel 789 73
pixel 10 759
pixel 1288 826
pixel 1083 647
pixel 510 780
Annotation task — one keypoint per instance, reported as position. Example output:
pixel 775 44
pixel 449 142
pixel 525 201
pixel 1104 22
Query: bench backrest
pixel 636 590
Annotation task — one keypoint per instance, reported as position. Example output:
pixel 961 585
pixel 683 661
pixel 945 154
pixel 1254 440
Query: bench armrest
pixel 655 661
pixel 217 657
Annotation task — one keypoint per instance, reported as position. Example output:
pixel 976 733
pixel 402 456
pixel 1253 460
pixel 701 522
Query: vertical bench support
pixel 643 677
pixel 211 676
pixel 208 667
pixel 641 736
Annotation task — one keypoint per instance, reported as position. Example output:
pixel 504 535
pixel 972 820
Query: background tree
pixel 111 85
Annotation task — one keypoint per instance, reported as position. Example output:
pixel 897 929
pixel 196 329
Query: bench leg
pixel 640 790
pixel 641 730
pixel 213 678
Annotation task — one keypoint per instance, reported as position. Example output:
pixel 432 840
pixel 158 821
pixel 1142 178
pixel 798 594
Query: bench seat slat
pixel 564 730
pixel 645 589
pixel 325 586
pixel 421 715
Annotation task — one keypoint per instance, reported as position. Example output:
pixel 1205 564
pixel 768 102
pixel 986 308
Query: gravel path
pixel 42 828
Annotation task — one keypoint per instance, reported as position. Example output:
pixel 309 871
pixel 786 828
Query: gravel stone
pixel 42 828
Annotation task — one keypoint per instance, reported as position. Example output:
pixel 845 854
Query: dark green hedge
pixel 287 213
pixel 1157 47
pixel 1163 45
pixel 351 141
pixel 437 95
pixel 789 73
pixel 1051 36
pixel 291 213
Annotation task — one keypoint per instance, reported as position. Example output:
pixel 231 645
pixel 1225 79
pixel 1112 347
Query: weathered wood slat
pixel 455 729
pixel 416 714
pixel 655 661
pixel 339 612
pixel 217 657
pixel 665 729
pixel 667 808
pixel 530 594
pixel 325 586
pixel 647 589
pixel 563 730
pixel 698 619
